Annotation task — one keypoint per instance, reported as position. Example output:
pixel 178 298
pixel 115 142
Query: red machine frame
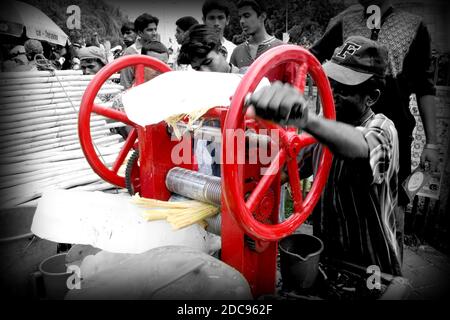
pixel 250 201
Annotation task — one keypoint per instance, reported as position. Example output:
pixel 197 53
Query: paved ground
pixel 428 271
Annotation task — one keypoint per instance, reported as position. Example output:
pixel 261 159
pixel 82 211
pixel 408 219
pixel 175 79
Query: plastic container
pixel 299 260
pixel 54 275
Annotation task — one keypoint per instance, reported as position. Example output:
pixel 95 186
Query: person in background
pixel 216 14
pixel 409 71
pixel 92 59
pixel 71 61
pixel 157 50
pixel 34 51
pixel 183 25
pixel 252 15
pixel 146 27
pixel 129 36
pixel 58 57
pixel 18 60
pixel 355 216
pixel 203 50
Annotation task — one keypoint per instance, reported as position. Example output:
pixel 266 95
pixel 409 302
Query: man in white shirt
pixel 216 14
pixel 146 27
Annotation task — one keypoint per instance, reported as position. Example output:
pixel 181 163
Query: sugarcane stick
pixel 38 176
pixel 55 95
pixel 72 117
pixel 33 86
pixel 26 110
pixel 68 155
pixel 46 74
pixel 34 74
pixel 66 131
pixel 8 148
pixel 39 102
pixel 12 93
pixel 27 147
pixel 10 170
pixel 61 151
pixel 49 122
pixel 63 181
pixel 17 168
pixel 28 173
pixel 37 115
pixel 14 196
pixel 89 187
pixel 96 186
pixel 73 105
pixel 47 125
pixel 71 135
pixel 26 104
pixel 64 135
pixel 26 98
pixel 56 105
pixel 57 146
pixel 18 190
pixel 8 82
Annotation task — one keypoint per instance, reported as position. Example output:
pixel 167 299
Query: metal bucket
pixel 54 275
pixel 299 261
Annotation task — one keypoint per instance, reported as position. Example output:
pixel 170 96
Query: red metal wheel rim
pixel 87 107
pixel 232 187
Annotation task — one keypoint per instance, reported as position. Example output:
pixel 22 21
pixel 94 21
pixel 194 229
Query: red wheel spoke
pixel 300 80
pixel 294 181
pixel 125 149
pixel 112 114
pixel 265 182
pixel 306 140
pixel 139 73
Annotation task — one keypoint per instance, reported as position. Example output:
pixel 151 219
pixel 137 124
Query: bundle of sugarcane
pixel 179 214
pixel 39 144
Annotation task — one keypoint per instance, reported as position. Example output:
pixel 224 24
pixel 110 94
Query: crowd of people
pixel 372 74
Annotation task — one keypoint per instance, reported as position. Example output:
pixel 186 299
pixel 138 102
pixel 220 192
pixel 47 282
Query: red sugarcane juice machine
pixel 249 199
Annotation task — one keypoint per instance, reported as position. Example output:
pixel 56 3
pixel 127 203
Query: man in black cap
pixel 355 216
pixel 410 70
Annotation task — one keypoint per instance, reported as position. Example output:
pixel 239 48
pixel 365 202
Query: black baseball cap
pixel 356 61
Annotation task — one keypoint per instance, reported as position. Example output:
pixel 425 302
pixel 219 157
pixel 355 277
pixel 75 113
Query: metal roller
pixel 215 134
pixel 194 185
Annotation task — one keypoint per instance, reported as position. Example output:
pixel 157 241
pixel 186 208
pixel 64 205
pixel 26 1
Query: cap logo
pixel 348 48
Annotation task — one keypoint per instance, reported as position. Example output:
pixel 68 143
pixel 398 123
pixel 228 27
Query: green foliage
pixel 96 16
pixel 307 19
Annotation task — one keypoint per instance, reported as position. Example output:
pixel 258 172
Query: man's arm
pixel 419 65
pixel 427 112
pixel 278 101
pixel 342 139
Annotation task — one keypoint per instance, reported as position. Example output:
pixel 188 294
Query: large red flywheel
pixel 87 107
pixel 243 209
